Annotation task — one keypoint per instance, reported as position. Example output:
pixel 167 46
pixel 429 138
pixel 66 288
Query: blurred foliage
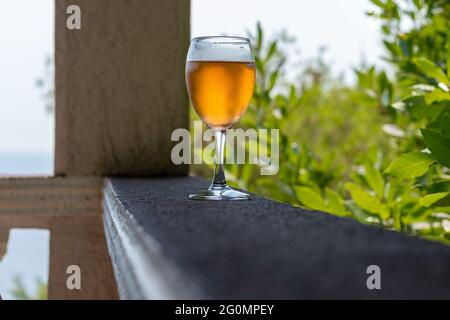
pixel 377 150
pixel 20 292
pixel 45 85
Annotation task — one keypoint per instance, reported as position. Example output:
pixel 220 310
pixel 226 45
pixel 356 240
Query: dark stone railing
pixel 164 246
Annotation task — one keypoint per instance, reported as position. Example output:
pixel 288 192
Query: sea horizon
pixel 26 163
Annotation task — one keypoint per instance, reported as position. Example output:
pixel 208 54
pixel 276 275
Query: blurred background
pixel 350 83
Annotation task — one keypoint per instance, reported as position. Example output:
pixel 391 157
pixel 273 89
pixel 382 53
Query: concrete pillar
pixel 120 88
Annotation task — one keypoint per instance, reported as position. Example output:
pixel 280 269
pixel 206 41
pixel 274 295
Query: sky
pixel 26 38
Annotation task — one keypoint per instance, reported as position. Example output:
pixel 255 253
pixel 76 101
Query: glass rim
pixel 227 39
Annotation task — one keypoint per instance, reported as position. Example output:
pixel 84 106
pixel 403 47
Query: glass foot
pixel 220 193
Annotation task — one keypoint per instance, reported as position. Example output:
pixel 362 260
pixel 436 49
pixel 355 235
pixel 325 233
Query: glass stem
pixel 219 181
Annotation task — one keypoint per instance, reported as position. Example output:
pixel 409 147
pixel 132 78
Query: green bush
pixel 378 150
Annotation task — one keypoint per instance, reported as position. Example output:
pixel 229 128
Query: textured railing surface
pixel 165 246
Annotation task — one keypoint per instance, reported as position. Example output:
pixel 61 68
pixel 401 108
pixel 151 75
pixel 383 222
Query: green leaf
pixel 363 198
pixel 441 124
pixel 406 47
pixel 259 35
pixel 441 199
pixel 445 124
pixel 374 179
pixel 410 165
pixel 378 3
pixel 439 145
pixel 448 54
pixel 384 212
pixel 259 65
pixel 419 109
pixel 430 69
pixel 272 50
pixel 335 204
pixel 436 95
pixel 310 198
pixel 392 48
pixel 273 80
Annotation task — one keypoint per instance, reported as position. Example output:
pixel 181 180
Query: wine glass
pixel 220 78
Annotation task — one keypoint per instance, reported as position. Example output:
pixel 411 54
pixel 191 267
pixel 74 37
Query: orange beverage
pixel 220 91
